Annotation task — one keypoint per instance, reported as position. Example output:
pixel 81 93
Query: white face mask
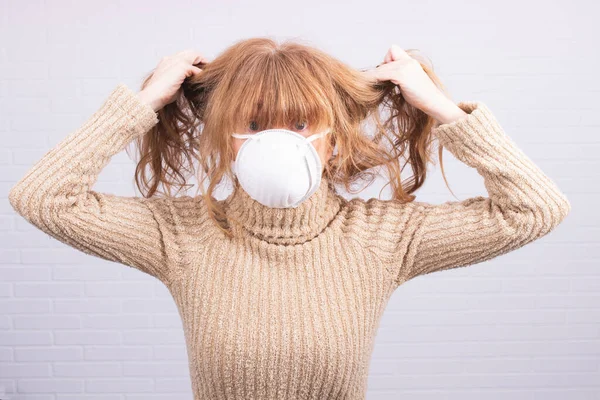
pixel 279 168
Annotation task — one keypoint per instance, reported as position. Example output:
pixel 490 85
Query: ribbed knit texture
pixel 288 308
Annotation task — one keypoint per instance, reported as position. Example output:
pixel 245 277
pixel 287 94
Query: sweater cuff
pixel 478 125
pixel 141 115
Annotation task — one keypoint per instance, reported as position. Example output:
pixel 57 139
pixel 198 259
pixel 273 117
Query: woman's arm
pixel 55 194
pixel 523 205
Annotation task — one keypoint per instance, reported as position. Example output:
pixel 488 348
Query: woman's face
pixel 301 128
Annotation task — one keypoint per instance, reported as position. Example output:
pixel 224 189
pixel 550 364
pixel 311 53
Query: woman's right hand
pixel 163 86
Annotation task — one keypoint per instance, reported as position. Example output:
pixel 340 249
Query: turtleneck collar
pixel 283 225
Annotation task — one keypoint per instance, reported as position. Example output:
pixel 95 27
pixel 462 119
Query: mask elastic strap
pixel 318 135
pixel 241 135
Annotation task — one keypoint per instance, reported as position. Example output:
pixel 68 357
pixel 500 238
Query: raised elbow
pixel 565 208
pixel 556 209
pixel 542 220
pixel 27 203
pixel 14 197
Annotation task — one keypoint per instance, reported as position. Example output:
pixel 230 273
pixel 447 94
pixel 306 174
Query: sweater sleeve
pixel 523 204
pixel 55 194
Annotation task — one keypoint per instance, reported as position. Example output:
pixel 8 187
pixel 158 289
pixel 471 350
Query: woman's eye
pixel 301 125
pixel 253 126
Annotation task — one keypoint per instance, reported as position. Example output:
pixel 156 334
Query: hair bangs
pixel 279 92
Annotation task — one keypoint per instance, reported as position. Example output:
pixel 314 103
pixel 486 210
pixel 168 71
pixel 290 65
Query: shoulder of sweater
pixel 180 211
pixel 376 206
pixel 370 218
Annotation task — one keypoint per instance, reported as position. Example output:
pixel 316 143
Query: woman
pixel 281 285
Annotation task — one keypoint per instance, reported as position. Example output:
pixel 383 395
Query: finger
pixel 377 75
pixel 192 56
pixel 370 75
pixel 398 53
pixel 388 57
pixel 182 64
pixel 193 71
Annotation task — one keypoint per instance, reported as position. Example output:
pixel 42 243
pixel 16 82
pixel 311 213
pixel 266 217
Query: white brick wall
pixel 524 326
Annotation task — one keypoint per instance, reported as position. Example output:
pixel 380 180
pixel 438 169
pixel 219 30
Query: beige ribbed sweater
pixel 290 307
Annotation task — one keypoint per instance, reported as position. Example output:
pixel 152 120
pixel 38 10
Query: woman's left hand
pixel 416 86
